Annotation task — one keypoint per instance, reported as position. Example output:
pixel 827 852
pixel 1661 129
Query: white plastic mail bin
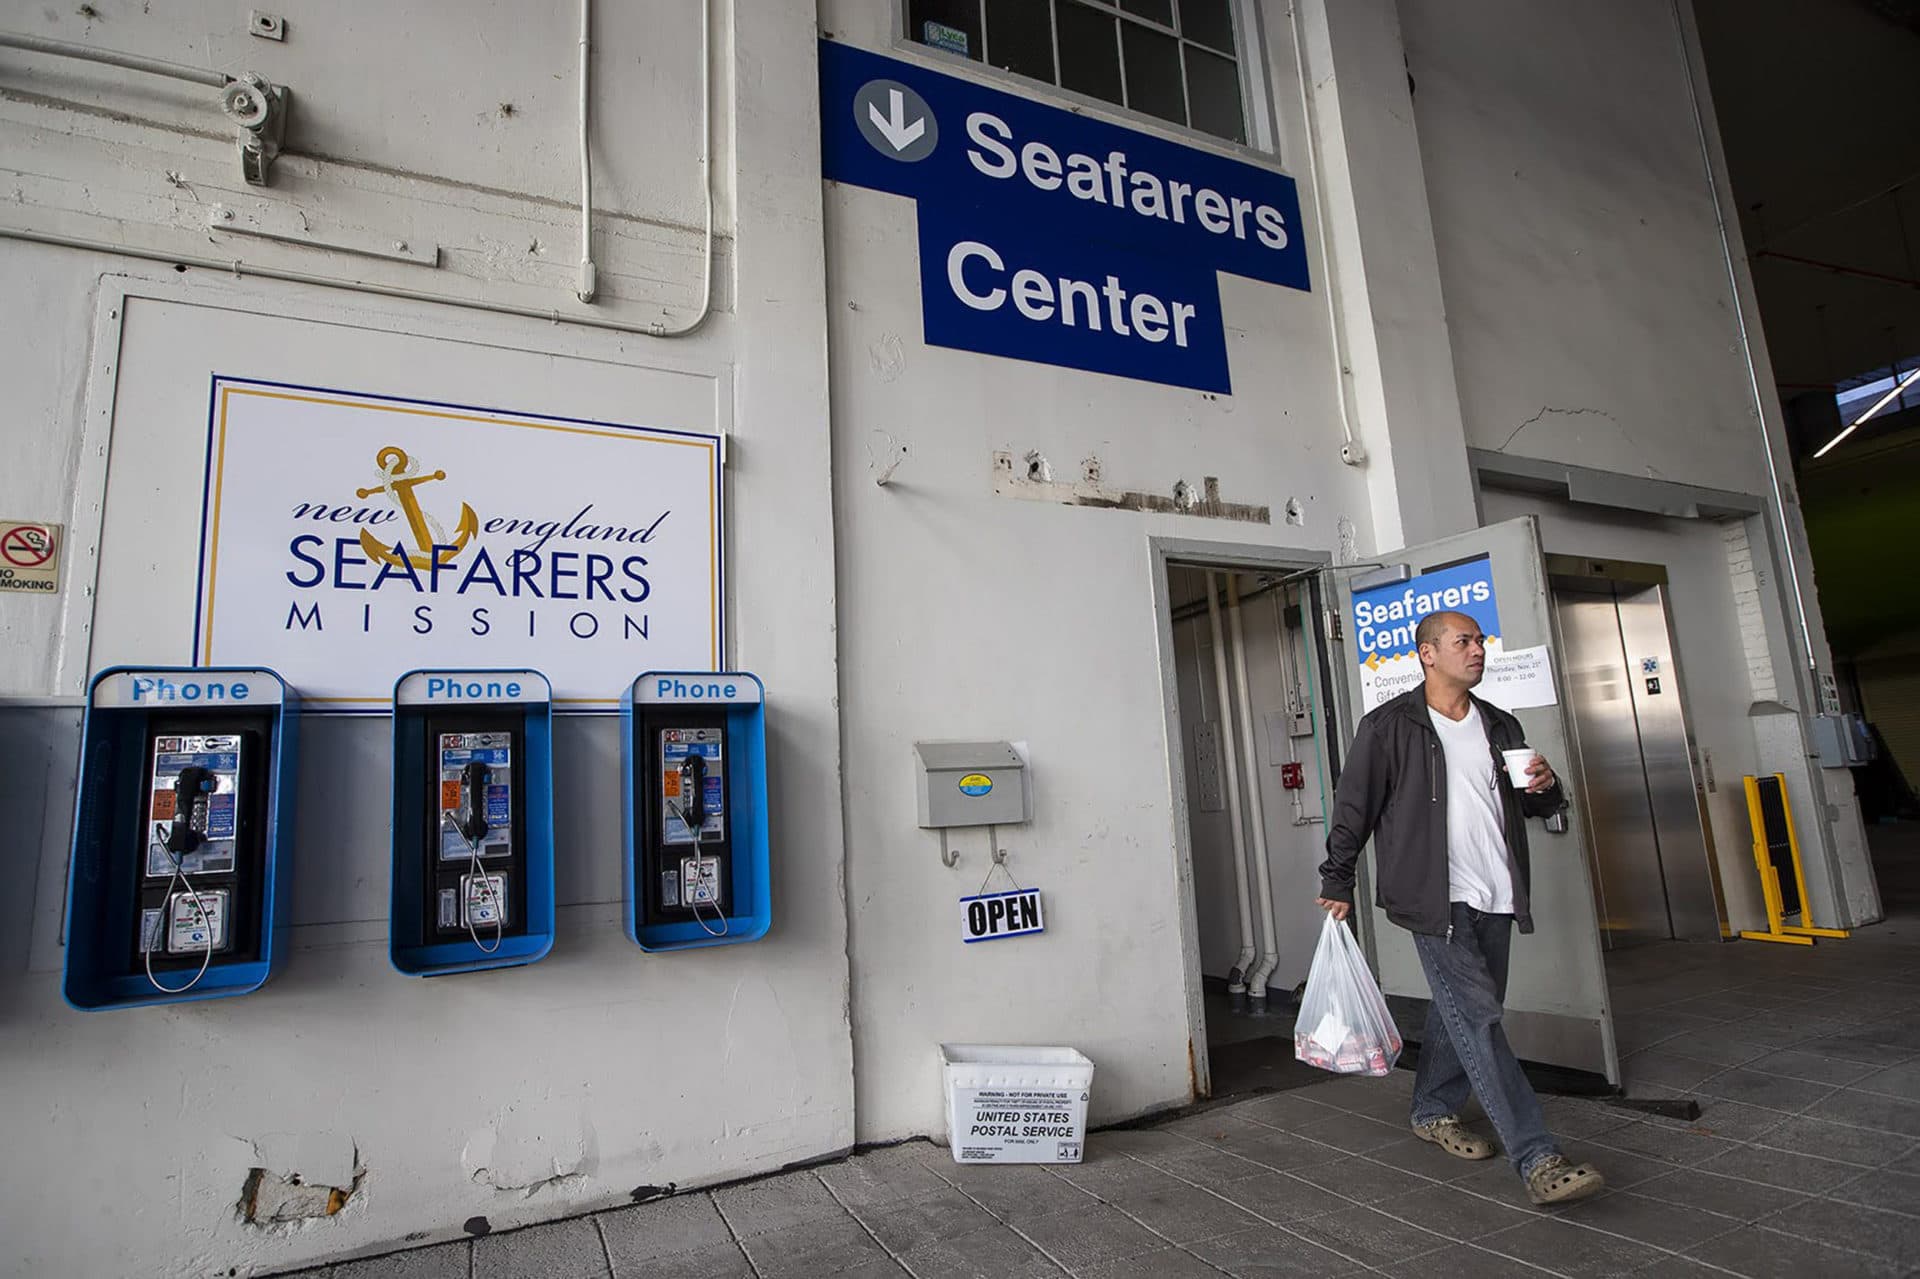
pixel 1015 1105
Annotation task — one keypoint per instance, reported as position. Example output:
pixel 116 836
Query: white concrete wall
pixel 1577 243
pixel 966 615
pixel 510 1096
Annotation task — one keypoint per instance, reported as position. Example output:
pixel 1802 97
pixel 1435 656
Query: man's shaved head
pixel 1434 625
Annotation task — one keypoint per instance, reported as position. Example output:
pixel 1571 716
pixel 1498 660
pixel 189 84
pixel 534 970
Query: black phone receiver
pixel 192 782
pixel 472 819
pixel 693 789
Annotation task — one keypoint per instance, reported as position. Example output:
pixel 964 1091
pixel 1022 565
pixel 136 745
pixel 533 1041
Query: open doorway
pixel 1247 688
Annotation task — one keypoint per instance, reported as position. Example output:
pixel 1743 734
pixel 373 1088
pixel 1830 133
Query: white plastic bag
pixel 1344 1025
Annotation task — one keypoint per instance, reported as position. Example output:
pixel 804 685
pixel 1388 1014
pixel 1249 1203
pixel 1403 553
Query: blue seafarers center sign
pixel 1050 237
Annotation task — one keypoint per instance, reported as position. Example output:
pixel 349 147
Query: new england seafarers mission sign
pixel 347 539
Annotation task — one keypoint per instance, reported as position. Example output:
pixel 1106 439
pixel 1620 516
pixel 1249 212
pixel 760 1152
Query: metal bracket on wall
pixel 290 226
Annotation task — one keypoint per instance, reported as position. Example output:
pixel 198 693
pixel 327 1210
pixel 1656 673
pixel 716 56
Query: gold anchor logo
pixel 398 477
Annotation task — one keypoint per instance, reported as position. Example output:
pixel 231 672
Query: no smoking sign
pixel 29 557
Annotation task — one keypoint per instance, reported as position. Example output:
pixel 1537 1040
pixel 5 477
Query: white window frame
pixel 1249 58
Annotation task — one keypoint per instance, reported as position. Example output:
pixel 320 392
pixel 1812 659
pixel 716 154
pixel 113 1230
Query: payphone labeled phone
pixel 472 826
pixel 695 786
pixel 185 783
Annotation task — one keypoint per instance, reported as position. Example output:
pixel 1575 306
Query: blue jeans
pixel 1465 1047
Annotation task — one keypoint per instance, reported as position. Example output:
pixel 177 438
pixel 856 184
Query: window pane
pixel 1153 73
pixel 1209 22
pixel 946 24
pixel 1160 11
pixel 1089 58
pixel 1213 86
pixel 1020 37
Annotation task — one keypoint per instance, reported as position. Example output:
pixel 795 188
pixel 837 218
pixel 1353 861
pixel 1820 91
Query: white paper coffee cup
pixel 1517 761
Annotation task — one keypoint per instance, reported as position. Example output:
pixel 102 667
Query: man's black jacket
pixel 1394 789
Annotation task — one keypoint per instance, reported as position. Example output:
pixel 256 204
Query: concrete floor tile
pixel 1290 1110
pixel 1772 1092
pixel 1572 1119
pixel 1894 1236
pixel 1679 1268
pixel 1901 1081
pixel 1454 1213
pixel 906 1224
pixel 1465 1260
pixel 1424 1159
pixel 1089 1237
pixel 569 1249
pixel 1669 1145
pixel 721 1261
pixel 1181 1213
pixel 1168 1263
pixel 1266 1252
pixel 1856 1046
pixel 1361 1180
pixel 1716 1047
pixel 1728 1119
pixel 1803 1134
pixel 1796 1064
pixel 1805 1173
pixel 1870 1110
pixel 992 1253
pixel 777 1203
pixel 682 1223
pixel 1279 1199
pixel 1893 1191
pixel 1017 1192
pixel 1675 1227
pixel 1669 1069
pixel 1728 1196
pixel 1098 1177
pixel 1356 1134
pixel 823 1246
pixel 1369 1236
pixel 883 1176
pixel 1569 1250
pixel 442 1261
pixel 1768 1254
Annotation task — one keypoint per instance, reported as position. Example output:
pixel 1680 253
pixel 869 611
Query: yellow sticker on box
pixel 975 784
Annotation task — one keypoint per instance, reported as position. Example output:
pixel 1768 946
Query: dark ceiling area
pixel 1818 104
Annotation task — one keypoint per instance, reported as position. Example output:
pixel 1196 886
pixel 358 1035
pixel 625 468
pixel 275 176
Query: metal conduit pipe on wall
pixel 235 267
pixel 1237 983
pixel 1256 804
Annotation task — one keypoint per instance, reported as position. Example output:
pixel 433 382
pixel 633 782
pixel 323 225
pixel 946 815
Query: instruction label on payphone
pixel 495 750
pixel 693 790
pixel 213 810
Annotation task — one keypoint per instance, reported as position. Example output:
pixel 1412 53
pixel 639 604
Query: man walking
pixel 1424 780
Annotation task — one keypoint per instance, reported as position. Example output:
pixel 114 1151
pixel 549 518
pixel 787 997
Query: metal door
pixel 1557 1004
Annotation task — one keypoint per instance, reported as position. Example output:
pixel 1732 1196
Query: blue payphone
pixel 472 883
pixel 182 835
pixel 694 782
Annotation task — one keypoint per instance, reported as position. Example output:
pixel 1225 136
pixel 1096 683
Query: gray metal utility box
pixel 970 784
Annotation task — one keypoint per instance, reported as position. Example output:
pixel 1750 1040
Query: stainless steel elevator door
pixel 1654 879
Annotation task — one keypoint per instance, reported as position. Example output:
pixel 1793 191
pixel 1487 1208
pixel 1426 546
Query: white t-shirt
pixel 1476 825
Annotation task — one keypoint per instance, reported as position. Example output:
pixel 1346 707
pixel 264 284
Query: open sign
pixel 991 916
